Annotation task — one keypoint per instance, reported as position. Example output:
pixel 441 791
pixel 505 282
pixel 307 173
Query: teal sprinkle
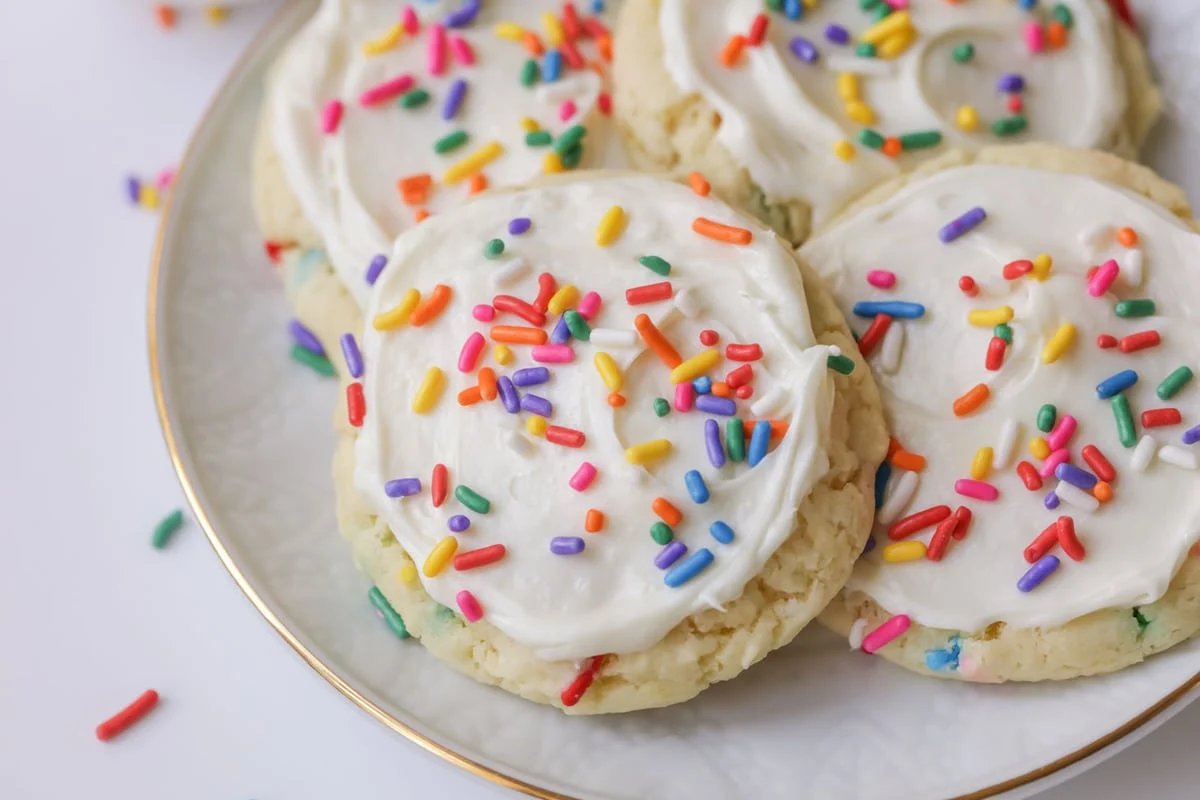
pixel 661 406
pixel 843 364
pixel 1003 331
pixel 388 613
pixel 1141 620
pixel 494 248
pixel 164 530
pixel 864 50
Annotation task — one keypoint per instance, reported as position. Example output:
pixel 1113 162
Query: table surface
pixel 90 614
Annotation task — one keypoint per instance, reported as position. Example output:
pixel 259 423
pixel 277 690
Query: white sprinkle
pixel 555 93
pixel 511 271
pixel 1076 496
pixel 834 350
pixel 891 348
pixel 857 631
pixel 1143 454
pixel 1006 445
pixel 871 67
pixel 1178 456
pixel 1131 267
pixel 1095 236
pixel 901 494
pixel 686 301
pixel 519 444
pixel 611 337
pixel 769 403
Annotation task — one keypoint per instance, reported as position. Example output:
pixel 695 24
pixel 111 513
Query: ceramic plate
pixel 250 433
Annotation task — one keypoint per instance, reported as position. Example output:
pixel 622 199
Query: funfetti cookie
pixel 1030 313
pixel 790 109
pixel 379 114
pixel 604 443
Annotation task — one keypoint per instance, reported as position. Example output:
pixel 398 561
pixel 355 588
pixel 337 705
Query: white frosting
pixel 1136 542
pixel 781 116
pixel 346 182
pixel 611 598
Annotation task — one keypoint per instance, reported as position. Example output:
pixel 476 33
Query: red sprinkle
pixel 1099 464
pixel 567 437
pixel 941 538
pixel 1029 476
pixel 604 101
pixel 515 305
pixel 570 22
pixel 1043 544
pixel 968 286
pixel 995 353
pixel 739 377
pixel 650 293
pixel 572 694
pixel 273 250
pixel 1017 269
pixel 743 352
pixel 594 28
pixel 709 337
pixel 921 520
pixel 1140 341
pixel 546 287
pixel 1106 342
pixel 128 716
pixel 744 392
pixel 963 515
pixel 1121 9
pixel 571 55
pixel 758 30
pixel 1067 539
pixel 356 404
pixel 480 557
pixel 1158 417
pixel 873 335
pixel 1015 103
pixel 440 482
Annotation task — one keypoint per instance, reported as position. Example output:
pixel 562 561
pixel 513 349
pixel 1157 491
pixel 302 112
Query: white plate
pixel 249 431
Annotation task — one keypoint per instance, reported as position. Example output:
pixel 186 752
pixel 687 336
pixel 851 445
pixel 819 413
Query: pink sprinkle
pixel 881 278
pixel 553 353
pixel 605 103
pixel 885 633
pixel 468 357
pixel 898 5
pixel 589 306
pixel 566 110
pixel 976 490
pixel 1103 278
pixel 684 396
pixel 412 25
pixel 462 51
pixel 437 49
pixel 331 117
pixel 1062 432
pixel 583 477
pixel 1052 461
pixel 1033 37
pixel 469 606
pixel 483 312
pixel 165 177
pixel 386 90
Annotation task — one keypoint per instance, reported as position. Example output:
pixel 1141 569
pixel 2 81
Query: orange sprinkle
pixel 165 15
pixel 414 197
pixel 909 461
pixel 971 400
pixel 655 340
pixel 487 383
pixel 1102 491
pixel 1127 237
pixel 1056 35
pixel 517 334
pixel 477 184
pixel 469 396
pixel 732 50
pixel 893 446
pixel 669 513
pixel 700 184
pixel 420 215
pixel 891 147
pixel 616 399
pixel 415 183
pixel 1195 551
pixel 532 43
pixel 721 389
pixel 722 233
pixel 594 520
pixel 604 47
pixel 429 308
pixel 779 428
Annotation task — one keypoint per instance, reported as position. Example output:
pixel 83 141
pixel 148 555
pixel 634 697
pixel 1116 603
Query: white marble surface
pixel 90 615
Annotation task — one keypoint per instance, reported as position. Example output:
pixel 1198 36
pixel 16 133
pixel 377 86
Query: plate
pixel 250 435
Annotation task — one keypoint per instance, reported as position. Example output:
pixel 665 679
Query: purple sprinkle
pixel 454 98
pixel 530 376
pixel 1042 568
pixel 560 334
pixel 836 33
pixel 374 268
pixel 458 523
pixel 1192 436
pixel 519 225
pixel 1010 83
pixel 963 224
pixel 464 16
pixel 670 554
pixel 711 404
pixel 566 545
pixel 870 545
pixel 305 338
pixel 1051 501
pixel 803 50
pixel 353 357
pixel 536 405
pixel 508 394
pixel 712 442
pixel 1075 476
pixel 134 188
pixel 402 487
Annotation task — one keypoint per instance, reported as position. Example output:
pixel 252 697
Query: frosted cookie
pixel 378 114
pixel 600 445
pixel 790 109
pixel 1030 315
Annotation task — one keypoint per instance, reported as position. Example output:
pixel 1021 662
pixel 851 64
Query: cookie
pixel 1028 311
pixel 791 113
pixel 656 462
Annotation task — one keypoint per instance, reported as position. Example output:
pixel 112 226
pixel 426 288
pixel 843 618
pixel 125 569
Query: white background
pixel 90 615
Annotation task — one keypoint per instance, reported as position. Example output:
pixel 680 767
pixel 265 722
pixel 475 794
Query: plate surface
pixel 250 435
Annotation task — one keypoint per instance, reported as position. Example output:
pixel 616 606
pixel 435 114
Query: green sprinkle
pixel 451 141
pixel 310 359
pixel 1045 418
pixel 775 5
pixel 493 249
pixel 871 139
pixel 472 499
pixel 661 533
pixel 1135 308
pixel 1003 331
pixel 864 50
pixel 1173 383
pixel 164 530
pixel 843 364
pixel 735 439
pixel 538 138
pixel 868 5
pixel 661 406
pixel 1141 621
pixel 529 72
pixel 569 138
pixel 1009 126
pixel 1125 429
pixel 656 265
pixel 573 157
pixel 414 99
pixel 390 616
pixel 1064 15
pixel 577 325
pixel 881 12
pixel 963 53
pixel 920 140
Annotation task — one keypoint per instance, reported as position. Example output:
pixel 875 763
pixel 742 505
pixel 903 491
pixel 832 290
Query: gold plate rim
pixel 214 538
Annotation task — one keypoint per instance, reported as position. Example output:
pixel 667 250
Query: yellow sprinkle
pixel 811 3
pixel 1041 266
pixel 529 124
pixel 990 317
pixel 566 297
pixel 610 373
pixel 215 14
pixel 896 44
pixel 552 162
pixel 1039 448
pixel 896 552
pixel 649 451
pixel 860 112
pixel 610 227
pixel 408 573
pixel 981 465
pixel 389 39
pixel 536 425
pixel 509 30
pixel 502 354
pixel 695 366
pixel 439 557
pixel 843 150
pixel 891 24
pixel 554 29
pixel 148 196
pixel 430 390
pixel 473 163
pixel 967 118
pixel 848 87
pixel 397 316
pixel 1058 343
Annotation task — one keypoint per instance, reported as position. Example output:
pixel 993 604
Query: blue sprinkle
pixel 792 9
pixel 560 334
pixel 692 566
pixel 759 439
pixel 552 66
pixel 696 486
pixel 938 659
pixel 881 481
pixel 374 268
pixel 702 385
pixel 721 532
pixel 353 357
pixel 1027 5
pixel 454 98
pixel 597 6
pixel 1116 384
pixel 670 554
pixel 711 404
pixel 893 308
pixel 519 225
